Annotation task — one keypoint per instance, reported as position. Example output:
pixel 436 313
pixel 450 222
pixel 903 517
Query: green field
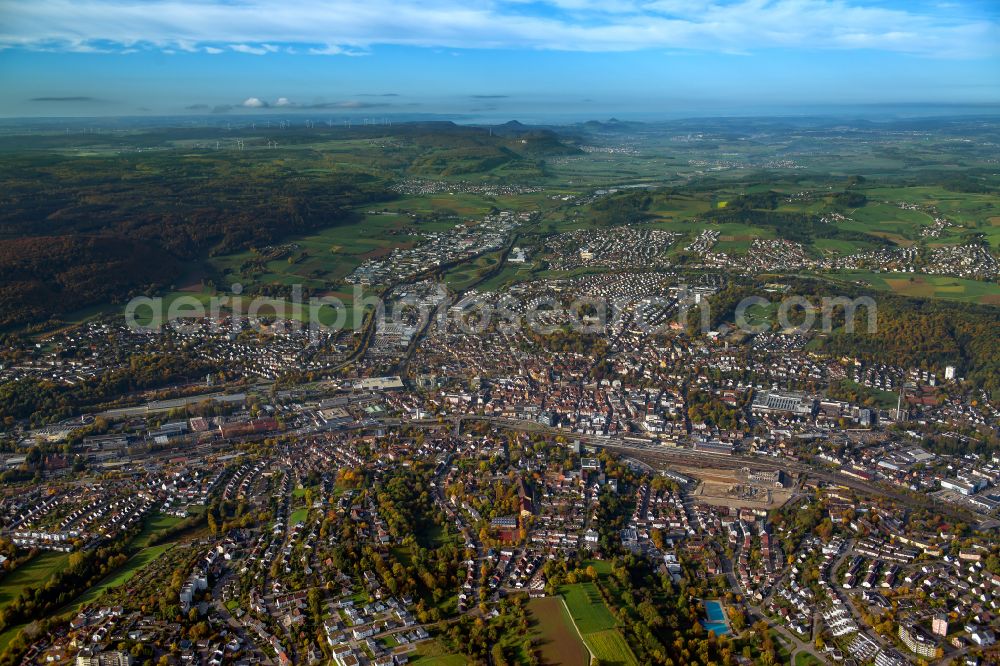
pixel 888 220
pixel 757 315
pixel 467 274
pixel 554 633
pixel 926 286
pixel 736 238
pixel 587 608
pixel 41 567
pixel 34 571
pixel 975 212
pixel 154 524
pixel 321 259
pixel 9 635
pixel 839 246
pixel 610 647
pixel 510 274
pixel 432 653
pixel 121 576
pixel 298 516
pixel 884 399
pixel 602 567
pixel 402 553
pixel 439 660
pixel 596 624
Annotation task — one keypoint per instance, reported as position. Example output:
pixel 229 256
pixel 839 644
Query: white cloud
pixel 326 50
pixel 349 27
pixel 334 50
pixel 254 103
pixel 247 48
pixel 213 50
pixel 283 101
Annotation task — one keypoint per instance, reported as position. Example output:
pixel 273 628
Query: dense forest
pixel 75 231
pixel 797 227
pixel 45 275
pixel 621 209
pixel 923 333
pixel 929 334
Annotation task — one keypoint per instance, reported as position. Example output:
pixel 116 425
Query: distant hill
pixel 88 218
pixel 75 231
pixel 473 150
pixel 610 125
pixel 541 143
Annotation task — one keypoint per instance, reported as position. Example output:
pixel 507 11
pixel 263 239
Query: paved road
pixel 846 598
pixel 234 625
pixel 755 612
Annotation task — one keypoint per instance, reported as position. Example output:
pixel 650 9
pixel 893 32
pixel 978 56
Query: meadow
pixel 596 624
pixel 925 286
pixel 432 653
pixel 33 572
pixel 153 525
pixel 586 607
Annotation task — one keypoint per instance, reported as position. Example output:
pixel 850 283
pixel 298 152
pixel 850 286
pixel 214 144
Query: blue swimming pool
pixel 715 618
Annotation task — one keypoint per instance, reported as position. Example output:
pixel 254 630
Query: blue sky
pixel 492 58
